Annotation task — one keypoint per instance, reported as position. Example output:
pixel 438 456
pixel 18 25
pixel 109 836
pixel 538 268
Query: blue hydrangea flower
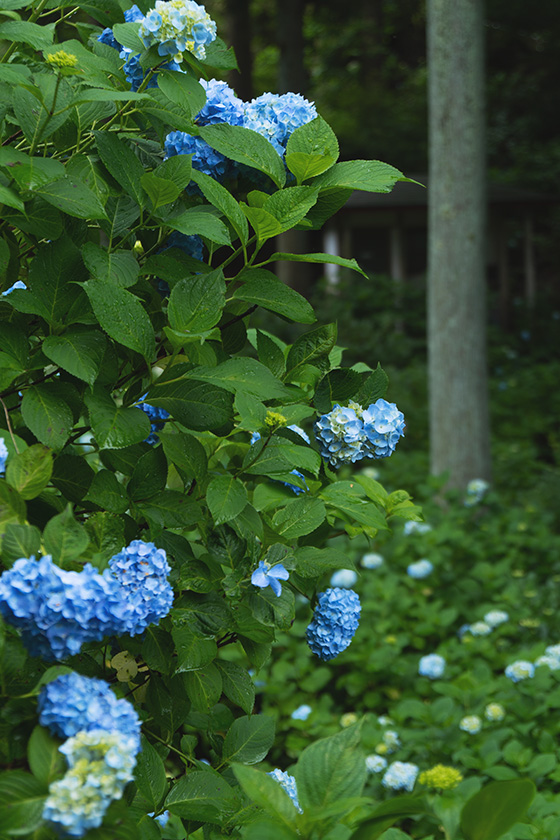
pixel 289 784
pixel 299 431
pixel 391 741
pixel 178 26
pixel 552 662
pixel 340 436
pixel 101 764
pixel 496 617
pixel 400 775
pixel 222 105
pixel 141 571
pixel 134 72
pixel 494 712
pixel 375 763
pixel 420 570
pixel 335 621
pixel 72 703
pixel 345 578
pixel 476 490
pixel 554 650
pixel 276 116
pixel 480 628
pixel 471 724
pixel 432 666
pixel 372 561
pixel 520 670
pixel 161 819
pixel 19 284
pixel 267 575
pixel 204 158
pixel 158 416
pixel 383 425
pixel 301 713
pixel 411 527
pixel 3 456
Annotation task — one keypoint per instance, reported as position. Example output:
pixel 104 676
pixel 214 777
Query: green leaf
pixel 298 518
pixel 336 386
pixel 73 197
pixel 160 190
pixel 267 793
pixel 243 374
pixel 127 35
pixel 496 808
pixel 196 303
pixel 388 813
pixel 237 684
pixel 79 353
pixel 187 453
pixel 263 288
pixel 177 168
pixel 221 198
pixel 103 95
pixel 310 346
pixel 204 687
pixel 72 475
pixel 366 175
pixel 245 146
pixel 107 492
pixel 312 149
pixel 374 387
pixel 290 205
pixel 12 506
pixel 30 471
pixel 197 405
pixel 149 476
pixel 263 223
pixel 45 761
pixel 314 562
pixel 118 267
pixel 201 796
pixel 22 799
pixel 330 769
pixel 149 775
pixel 20 541
pixel 196 221
pixel 122 316
pixel 193 652
pixel 280 457
pixel 64 538
pixel 346 498
pixel 115 427
pixel 23 31
pixel 11 198
pixel 120 160
pixel 271 830
pixel 270 354
pixel 249 739
pixel 226 497
pixel 46 415
pixel 182 89
pixel 171 509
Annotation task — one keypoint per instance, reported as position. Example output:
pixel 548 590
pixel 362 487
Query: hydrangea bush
pixel 170 470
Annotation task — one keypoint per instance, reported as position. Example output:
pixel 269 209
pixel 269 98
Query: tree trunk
pixel 238 30
pixel 457 374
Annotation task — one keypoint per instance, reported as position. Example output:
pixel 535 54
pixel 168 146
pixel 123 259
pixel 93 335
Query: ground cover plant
pixel 172 474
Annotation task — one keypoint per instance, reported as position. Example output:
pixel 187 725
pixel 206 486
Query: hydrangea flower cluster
pixel 346 578
pixel 520 670
pixel 335 621
pixel 101 764
pixel 267 575
pixel 204 158
pixel 157 416
pixel 3 456
pixel 375 763
pixel 73 703
pixel 348 434
pixel 289 784
pixel 432 666
pixel 276 116
pixel 421 569
pixel 178 26
pixel 302 712
pixel 476 490
pixel 58 611
pixel 400 775
pixel 372 561
pixel 441 777
pixel 471 724
pixel 390 743
pixel 496 617
pixel 494 712
pixel 412 527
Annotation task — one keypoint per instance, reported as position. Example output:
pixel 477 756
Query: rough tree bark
pixel 457 374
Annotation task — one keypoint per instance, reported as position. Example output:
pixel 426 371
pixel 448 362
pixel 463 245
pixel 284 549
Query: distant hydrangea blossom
pixel 471 724
pixel 178 26
pixel 552 662
pixel 553 650
pixel 289 784
pixel 384 720
pixel 3 456
pixel 520 670
pixel 480 628
pixel 334 623
pixel 345 578
pixel 161 819
pixel 73 703
pixel 58 611
pixel 375 763
pixel 420 570
pixel 432 666
pixel 494 712
pixel 101 764
pixel 19 284
pixel 400 776
pixel 476 490
pixel 348 719
pixel 276 116
pixel 412 527
pixel 267 575
pixel 157 416
pixel 391 740
pixel 441 777
pixel 372 561
pixel 302 712
pixel 496 617
pixel 348 434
